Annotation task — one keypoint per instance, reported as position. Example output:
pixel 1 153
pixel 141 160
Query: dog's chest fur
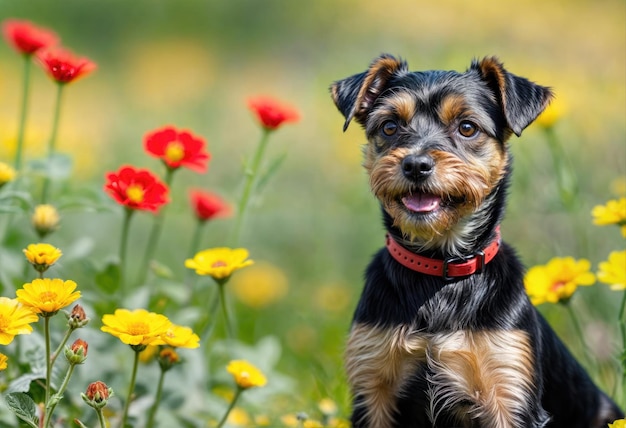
pixel 476 378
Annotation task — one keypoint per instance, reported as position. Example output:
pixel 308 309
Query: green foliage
pixel 24 407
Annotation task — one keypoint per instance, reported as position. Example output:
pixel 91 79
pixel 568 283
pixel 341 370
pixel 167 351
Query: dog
pixel 444 334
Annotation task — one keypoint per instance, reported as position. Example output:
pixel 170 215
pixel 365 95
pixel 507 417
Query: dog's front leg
pixel 379 361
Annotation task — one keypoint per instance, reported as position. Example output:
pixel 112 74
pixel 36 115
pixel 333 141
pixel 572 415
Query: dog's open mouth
pixel 422 203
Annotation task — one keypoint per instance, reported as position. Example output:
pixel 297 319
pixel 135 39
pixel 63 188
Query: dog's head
pixel 436 140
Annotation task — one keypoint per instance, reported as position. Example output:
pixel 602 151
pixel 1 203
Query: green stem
pixel 56 353
pixel 103 423
pixel 581 337
pixel 195 239
pixel 207 324
pixel 57 397
pixel 155 233
pixel 193 249
pixel 131 388
pixel 565 177
pixel 46 329
pixel 251 172
pixel 52 140
pixel 230 407
pixel 23 113
pixel 128 213
pixel 229 328
pixel 157 400
pixel 622 318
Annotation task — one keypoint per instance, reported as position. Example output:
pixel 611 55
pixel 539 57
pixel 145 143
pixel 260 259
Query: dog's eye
pixel 389 128
pixel 467 129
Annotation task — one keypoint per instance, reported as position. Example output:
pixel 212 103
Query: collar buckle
pixel 478 258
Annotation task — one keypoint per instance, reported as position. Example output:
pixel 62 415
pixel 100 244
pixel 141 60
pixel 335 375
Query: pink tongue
pixel 422 202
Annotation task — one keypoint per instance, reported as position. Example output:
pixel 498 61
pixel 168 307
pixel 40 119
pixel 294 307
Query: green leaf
pixel 56 167
pixel 24 408
pixel 161 270
pixel 22 383
pixel 8 199
pixel 108 279
pixel 271 171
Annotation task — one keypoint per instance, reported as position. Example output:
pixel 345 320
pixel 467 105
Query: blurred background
pixel 312 230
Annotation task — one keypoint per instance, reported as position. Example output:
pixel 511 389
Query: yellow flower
pixel 551 114
pixel 290 420
pixel 238 417
pixel 620 423
pixel 262 421
pixel 219 263
pixel 46 296
pixel 179 337
pixel 7 173
pixel 138 327
pixel 260 286
pixel 14 319
pixel 3 362
pixel 42 256
pixel 245 374
pixel 338 423
pixel 613 271
pixel 557 280
pixel 327 406
pixel 45 219
pixel 614 212
pixel 331 297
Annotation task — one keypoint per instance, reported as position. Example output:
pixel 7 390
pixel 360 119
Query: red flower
pixel 208 205
pixel 137 189
pixel 177 148
pixel 27 38
pixel 63 66
pixel 272 113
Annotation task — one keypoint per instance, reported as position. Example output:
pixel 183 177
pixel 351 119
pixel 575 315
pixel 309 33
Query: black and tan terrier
pixel 444 334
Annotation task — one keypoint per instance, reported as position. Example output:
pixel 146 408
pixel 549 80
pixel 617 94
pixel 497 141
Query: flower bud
pixel 77 353
pixel 45 219
pixel 42 256
pixel 7 173
pixel 97 394
pixel 168 358
pixel 77 318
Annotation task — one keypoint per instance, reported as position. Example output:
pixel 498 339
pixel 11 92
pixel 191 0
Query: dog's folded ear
pixel 520 99
pixel 355 95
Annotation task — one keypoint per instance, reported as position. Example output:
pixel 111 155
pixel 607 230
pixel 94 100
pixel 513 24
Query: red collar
pixel 448 268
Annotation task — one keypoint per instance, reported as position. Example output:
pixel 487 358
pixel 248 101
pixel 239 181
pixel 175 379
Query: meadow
pixel 311 223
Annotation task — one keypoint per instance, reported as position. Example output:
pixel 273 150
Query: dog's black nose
pixel 417 167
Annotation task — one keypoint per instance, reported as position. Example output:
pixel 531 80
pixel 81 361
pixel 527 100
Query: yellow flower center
pixel 135 193
pixel 138 328
pixel 175 151
pixel 47 296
